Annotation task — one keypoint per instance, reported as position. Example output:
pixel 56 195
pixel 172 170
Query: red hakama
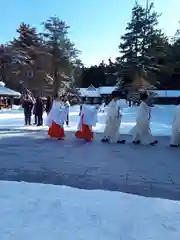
pixel 84 132
pixel 56 131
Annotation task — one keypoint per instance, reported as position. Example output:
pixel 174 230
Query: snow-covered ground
pixel 161 119
pixel 36 211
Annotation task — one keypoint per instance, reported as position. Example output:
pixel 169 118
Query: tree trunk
pixel 56 82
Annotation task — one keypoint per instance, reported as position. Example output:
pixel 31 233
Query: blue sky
pixel 96 25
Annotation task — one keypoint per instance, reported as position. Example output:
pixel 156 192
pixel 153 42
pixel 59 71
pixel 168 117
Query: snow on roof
pixel 2 84
pixel 86 92
pixel 95 92
pixel 91 88
pixel 107 90
pixel 4 91
pixel 167 93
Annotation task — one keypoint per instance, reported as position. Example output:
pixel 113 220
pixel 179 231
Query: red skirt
pixel 56 131
pixel 85 133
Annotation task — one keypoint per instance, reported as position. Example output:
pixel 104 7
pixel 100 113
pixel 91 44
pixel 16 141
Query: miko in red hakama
pixel 87 120
pixel 55 121
pixel 56 131
pixel 85 132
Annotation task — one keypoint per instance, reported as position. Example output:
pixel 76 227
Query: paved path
pixel 143 170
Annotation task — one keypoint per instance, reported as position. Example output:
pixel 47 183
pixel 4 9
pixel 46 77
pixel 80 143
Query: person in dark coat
pixel 38 112
pixel 48 105
pixel 27 104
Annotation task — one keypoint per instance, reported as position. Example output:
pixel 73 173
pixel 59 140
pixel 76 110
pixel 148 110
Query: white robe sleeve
pixel 143 113
pixel 49 118
pixel 58 114
pixel 90 115
pixel 176 119
pixel 120 110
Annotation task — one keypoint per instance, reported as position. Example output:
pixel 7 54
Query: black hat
pixel 178 101
pixel 115 94
pixel 143 96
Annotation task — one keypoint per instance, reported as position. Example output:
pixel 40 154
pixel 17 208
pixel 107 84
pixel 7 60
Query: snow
pixel 167 93
pixel 91 91
pixel 160 125
pixel 107 90
pixel 8 92
pixel 37 211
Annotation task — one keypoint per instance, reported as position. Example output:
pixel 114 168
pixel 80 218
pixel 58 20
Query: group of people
pixel 141 132
pixel 37 107
pixel 34 107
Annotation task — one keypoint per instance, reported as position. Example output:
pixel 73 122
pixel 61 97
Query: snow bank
pixel 37 211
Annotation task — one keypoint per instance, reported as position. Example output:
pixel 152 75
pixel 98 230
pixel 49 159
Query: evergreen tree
pixel 6 55
pixel 68 88
pixel 28 37
pixel 26 45
pixel 61 49
pixel 143 45
pixel 77 73
pixel 173 64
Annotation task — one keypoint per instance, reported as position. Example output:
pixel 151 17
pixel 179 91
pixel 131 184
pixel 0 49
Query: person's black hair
pixel 143 96
pixel 115 94
pixel 178 100
pixel 56 96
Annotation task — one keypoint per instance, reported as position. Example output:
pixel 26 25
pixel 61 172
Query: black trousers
pixel 27 116
pixel 38 119
pixel 67 120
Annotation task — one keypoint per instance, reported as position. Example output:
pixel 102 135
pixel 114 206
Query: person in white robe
pixel 175 138
pixel 88 119
pixel 113 120
pixel 141 132
pixel 67 106
pixel 56 119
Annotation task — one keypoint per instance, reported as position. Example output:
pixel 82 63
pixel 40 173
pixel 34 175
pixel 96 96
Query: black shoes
pixel 174 145
pixel 121 141
pixel 154 143
pixel 105 140
pixel 136 142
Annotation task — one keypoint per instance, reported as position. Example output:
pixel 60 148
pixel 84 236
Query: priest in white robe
pixel 56 118
pixel 67 106
pixel 88 119
pixel 175 139
pixel 113 120
pixel 141 132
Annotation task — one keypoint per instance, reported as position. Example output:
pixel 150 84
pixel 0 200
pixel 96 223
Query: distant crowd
pixel 36 107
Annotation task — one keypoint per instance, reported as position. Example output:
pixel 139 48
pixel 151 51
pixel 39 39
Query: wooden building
pixel 8 96
pixel 165 96
pixel 96 95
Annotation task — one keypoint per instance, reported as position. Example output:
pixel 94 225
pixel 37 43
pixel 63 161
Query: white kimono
pixel 113 120
pixel 58 114
pixel 67 106
pixel 88 115
pixel 141 131
pixel 175 140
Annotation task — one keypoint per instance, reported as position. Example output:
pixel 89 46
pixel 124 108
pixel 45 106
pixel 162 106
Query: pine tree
pixel 61 48
pixel 143 45
pixel 6 55
pixel 172 70
pixel 68 89
pixel 26 44
pixel 28 37
pixel 130 46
